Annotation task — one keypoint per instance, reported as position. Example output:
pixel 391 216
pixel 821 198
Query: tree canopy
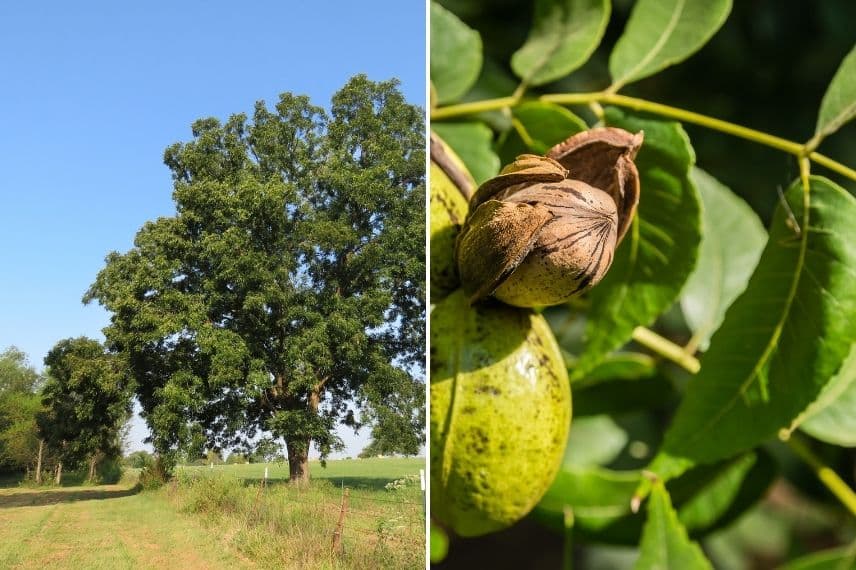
pixel 86 402
pixel 19 406
pixel 289 284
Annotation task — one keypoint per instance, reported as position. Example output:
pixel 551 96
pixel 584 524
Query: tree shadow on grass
pixel 364 483
pixel 40 497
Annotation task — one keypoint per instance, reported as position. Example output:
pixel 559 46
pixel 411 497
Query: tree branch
pixel 603 97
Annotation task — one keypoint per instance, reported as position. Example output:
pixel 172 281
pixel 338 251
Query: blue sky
pixel 91 93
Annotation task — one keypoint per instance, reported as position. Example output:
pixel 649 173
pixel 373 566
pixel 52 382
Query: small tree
pixel 20 444
pixel 86 403
pixel 140 459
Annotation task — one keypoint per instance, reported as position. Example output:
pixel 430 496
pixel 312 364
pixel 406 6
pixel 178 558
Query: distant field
pixel 221 518
pixel 371 473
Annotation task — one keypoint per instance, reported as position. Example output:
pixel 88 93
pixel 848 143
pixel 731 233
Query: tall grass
pixel 287 526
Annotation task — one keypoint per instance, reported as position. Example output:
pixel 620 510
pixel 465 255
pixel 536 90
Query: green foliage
pixel 456 55
pixel 236 458
pixel 563 36
pixel 537 127
pixel 19 434
pixel 832 417
pixel 288 285
pixel 154 475
pixel 760 371
pixel 664 541
pixel 19 407
pixel 770 309
pixel 472 143
pixel 86 399
pixel 832 559
pixel 839 103
pixel 732 241
pixel 140 459
pixel 16 374
pixel 661 33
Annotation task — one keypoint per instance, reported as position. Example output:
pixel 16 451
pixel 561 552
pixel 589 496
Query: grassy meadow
pixel 222 518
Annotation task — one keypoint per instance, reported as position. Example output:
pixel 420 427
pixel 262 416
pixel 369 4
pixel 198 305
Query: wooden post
pixel 39 462
pixel 424 503
pixel 337 534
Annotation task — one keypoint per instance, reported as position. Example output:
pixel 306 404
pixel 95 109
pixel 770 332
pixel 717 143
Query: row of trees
pixel 70 416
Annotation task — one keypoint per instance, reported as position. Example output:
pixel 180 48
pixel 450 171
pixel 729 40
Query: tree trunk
pixel 39 462
pixel 298 462
pixel 93 461
pixel 298 451
pixel 58 479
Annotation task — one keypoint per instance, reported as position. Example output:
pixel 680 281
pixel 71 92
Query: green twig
pixel 464 109
pixel 667 349
pixel 608 98
pixel 826 474
pixel 568 542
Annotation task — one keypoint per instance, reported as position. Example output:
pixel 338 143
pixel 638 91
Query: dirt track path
pixel 106 527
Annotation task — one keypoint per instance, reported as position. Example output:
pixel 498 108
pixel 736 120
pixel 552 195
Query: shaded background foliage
pixel 767 68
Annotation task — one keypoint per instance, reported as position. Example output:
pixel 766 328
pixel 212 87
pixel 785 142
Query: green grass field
pixel 221 518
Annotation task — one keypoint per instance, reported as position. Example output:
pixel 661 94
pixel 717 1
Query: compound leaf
pixel 782 340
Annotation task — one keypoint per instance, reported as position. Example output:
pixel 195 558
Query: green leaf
pixel 781 341
pixel 536 127
pixel 622 366
pixel 731 244
pixel 621 396
pixel 599 497
pixel 842 558
pixel 456 55
pixel 472 142
pixel 832 417
pixel 712 496
pixel 439 544
pixel 661 33
pixel 594 440
pixel 665 544
pixel 563 36
pixel 659 251
pixel 706 498
pixel 839 102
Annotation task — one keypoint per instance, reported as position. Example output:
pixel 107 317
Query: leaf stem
pixel 609 98
pixel 667 349
pixel 826 474
pixel 473 108
pixel 568 542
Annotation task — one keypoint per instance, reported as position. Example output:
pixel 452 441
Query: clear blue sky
pixel 91 93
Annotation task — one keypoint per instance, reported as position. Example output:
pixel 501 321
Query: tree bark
pixel 92 462
pixel 39 462
pixel 298 452
pixel 58 479
pixel 298 462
